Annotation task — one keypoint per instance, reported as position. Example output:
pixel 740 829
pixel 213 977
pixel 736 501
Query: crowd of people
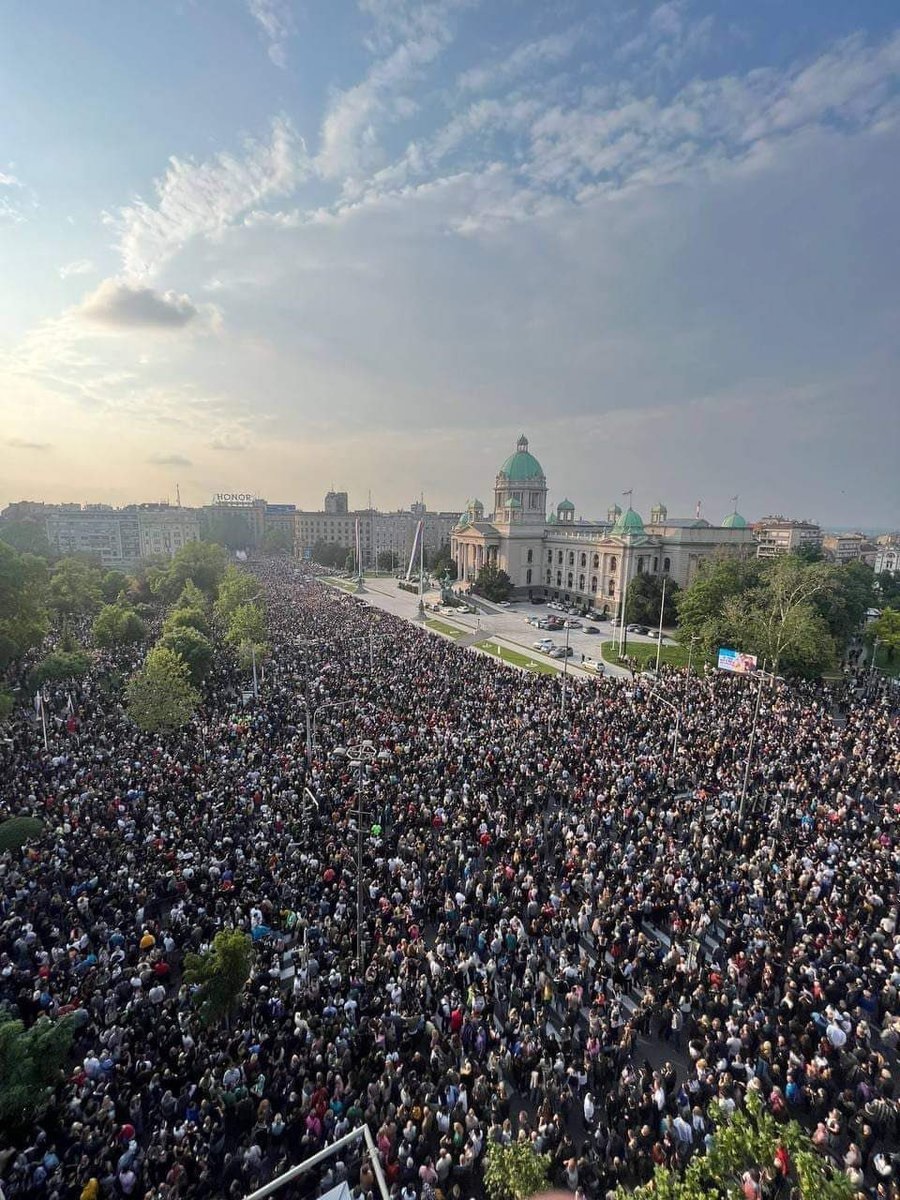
pixel 572 930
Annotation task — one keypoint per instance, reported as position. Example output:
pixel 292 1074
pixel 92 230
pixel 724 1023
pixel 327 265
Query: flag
pixel 37 702
pixel 70 707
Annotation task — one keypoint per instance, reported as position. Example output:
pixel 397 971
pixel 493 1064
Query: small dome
pixel 734 520
pixel 565 506
pixel 522 465
pixel 627 523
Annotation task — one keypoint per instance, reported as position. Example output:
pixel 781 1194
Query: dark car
pixel 537 599
pixel 591 629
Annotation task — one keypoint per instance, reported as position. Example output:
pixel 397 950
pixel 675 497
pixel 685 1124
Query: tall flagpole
pixel 662 608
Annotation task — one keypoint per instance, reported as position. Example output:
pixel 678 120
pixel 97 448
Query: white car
pixel 545 644
pixel 503 604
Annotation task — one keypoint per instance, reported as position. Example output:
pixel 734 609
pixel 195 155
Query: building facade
pixel 583 562
pixel 780 535
pixel 887 558
pixel 121 537
pixel 378 531
pixel 848 547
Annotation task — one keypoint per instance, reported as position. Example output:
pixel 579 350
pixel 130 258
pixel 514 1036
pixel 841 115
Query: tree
pixel 32 1062
pixel 388 560
pixel 194 650
pixel 59 665
pixel 117 625
pixel 27 536
pixel 201 562
pixel 191 596
pixel 160 695
pixel 221 974
pixel 23 611
pixel 329 554
pixel 236 588
pixel 700 606
pixel 440 562
pixel 515 1172
pixel 887 630
pixel 278 541
pixel 16 832
pixel 230 529
pixel 750 1138
pixel 887 588
pixel 247 624
pixel 112 585
pixel 493 583
pixel 7 704
pixel 644 598
pixel 849 593
pixel 187 618
pixel 74 588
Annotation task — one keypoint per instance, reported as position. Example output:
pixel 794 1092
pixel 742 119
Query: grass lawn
pixel 517 660
pixel 442 627
pixel 645 654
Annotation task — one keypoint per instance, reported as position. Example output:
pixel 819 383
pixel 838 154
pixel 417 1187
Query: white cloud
pixel 81 266
pixel 275 19
pixel 119 304
pixel 524 59
pixel 169 460
pixel 204 199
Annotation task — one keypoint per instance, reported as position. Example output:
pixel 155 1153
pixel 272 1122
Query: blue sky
pixel 276 245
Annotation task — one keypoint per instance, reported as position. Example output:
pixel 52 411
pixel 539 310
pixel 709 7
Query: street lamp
pixel 565 670
pixel 763 675
pixel 361 756
pixel 677 711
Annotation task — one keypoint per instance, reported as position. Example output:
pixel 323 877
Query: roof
pixel 474 503
pixel 734 520
pixel 567 505
pixel 628 522
pixel 522 465
pixel 687 523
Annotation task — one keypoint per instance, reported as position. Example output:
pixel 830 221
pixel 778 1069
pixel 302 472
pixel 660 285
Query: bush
pixel 60 664
pixel 16 832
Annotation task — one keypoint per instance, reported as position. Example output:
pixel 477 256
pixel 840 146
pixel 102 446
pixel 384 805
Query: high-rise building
pixel 781 535
pixel 121 537
pixel 336 503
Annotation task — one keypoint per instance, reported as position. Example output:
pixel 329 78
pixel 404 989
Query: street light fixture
pixel 654 695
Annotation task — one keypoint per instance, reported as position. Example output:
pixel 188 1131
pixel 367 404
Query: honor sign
pixel 240 498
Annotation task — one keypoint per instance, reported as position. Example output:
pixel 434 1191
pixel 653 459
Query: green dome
pixel 628 522
pixel 522 465
pixel 463 521
pixel 734 520
pixel 566 506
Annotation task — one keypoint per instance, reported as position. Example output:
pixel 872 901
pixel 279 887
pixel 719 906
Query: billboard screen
pixel 734 660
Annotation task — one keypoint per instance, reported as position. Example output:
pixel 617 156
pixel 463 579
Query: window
pixel 548 578
pixel 593 583
pixel 613 564
pixel 571 558
pixel 528 575
pixel 581 581
pixel 559 556
pixel 583 560
pixel 530 556
pixel 667 565
pixel 655 565
pixel 559 578
pixel 596 563
pixel 640 566
pixel 549 556
pixel 569 579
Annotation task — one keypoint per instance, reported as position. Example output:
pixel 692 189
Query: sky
pixel 280 246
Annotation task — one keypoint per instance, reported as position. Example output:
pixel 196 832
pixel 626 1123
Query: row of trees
pixel 796 614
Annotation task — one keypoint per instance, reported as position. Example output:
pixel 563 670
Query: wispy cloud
pixel 81 266
pixel 276 21
pixel 204 199
pixel 523 59
pixel 169 460
pixel 18 443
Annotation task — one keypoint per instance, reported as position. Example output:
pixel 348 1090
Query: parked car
pixel 654 633
pixel 594 664
pixel 573 624
pixel 544 644
pixel 591 629
pixel 561 652
pixel 503 604
pixel 537 599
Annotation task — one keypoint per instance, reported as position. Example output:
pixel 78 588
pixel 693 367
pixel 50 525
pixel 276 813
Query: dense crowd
pixel 569 934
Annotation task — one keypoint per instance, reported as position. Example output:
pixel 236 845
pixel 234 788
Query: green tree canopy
pixel 329 554
pixel 493 583
pixel 887 589
pixel 515 1172
pixel 247 624
pixel 644 598
pixel 32 1062
pixel 203 563
pixel 59 665
pixel 231 529
pixel 848 593
pixel 184 618
pixel 16 832
pixel 236 588
pixel 160 695
pixel 23 612
pixel 747 1141
pixel 388 560
pixel 117 625
pixel 194 650
pixel 278 541
pixel 74 588
pixel 28 536
pixel 887 630
pixel 112 585
pixel 221 974
pixel 700 606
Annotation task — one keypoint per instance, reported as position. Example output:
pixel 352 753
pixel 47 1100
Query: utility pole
pixel 762 676
pixel 562 703
pixel 662 607
pixel 255 681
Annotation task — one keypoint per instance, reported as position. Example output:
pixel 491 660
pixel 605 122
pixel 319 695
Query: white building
pixel 579 561
pixel 887 558
pixel 121 537
pixel 780 535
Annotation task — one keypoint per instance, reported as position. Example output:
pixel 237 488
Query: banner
pixel 734 660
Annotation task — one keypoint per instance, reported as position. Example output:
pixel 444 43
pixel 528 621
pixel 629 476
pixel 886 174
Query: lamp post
pixel 361 756
pixel 677 711
pixel 562 702
pixel 763 675
pixel 662 608
pixel 694 638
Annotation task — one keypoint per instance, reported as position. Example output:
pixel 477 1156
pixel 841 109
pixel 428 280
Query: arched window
pixel 584 560
pixel 528 573
pixel 593 583
pixel 571 558
pixel 655 565
pixel 667 565
pixel 530 556
pixel 581 581
pixel 596 562
pixel 549 556
pixel 613 564
pixel 559 556
pixel 640 566
pixel 611 589
pixel 569 577
pixel 559 578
